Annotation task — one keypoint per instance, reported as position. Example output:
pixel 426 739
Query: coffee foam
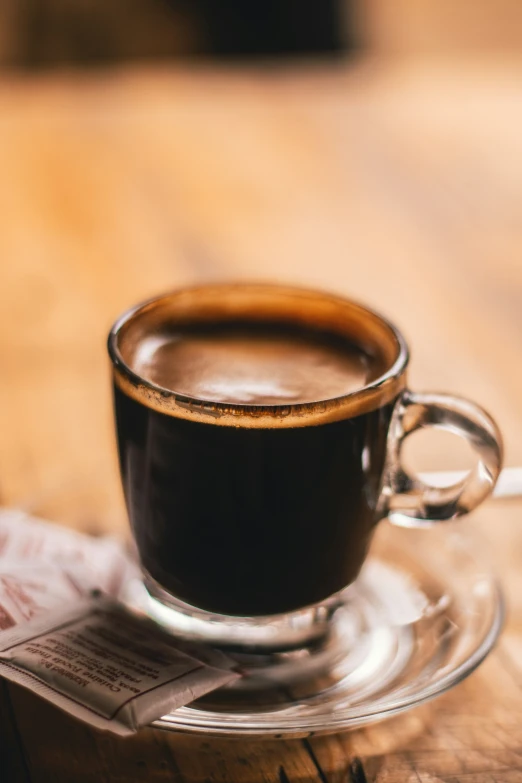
pixel 141 331
pixel 256 367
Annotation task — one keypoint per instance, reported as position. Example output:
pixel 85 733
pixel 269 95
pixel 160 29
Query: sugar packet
pixel 101 563
pixel 107 666
pixel 27 590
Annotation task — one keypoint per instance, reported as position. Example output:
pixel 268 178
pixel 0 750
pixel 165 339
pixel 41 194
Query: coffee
pixel 248 520
pixel 260 430
pixel 267 364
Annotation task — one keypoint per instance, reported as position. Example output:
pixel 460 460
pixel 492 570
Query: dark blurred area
pixel 43 33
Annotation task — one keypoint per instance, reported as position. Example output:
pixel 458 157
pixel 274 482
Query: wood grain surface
pixel 401 187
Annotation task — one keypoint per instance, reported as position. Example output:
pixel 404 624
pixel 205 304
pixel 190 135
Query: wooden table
pixel 397 185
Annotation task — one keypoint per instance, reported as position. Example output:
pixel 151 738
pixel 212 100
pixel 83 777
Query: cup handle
pixel 409 502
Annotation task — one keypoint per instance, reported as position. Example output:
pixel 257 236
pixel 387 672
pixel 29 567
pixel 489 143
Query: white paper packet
pixel 101 562
pixel 108 667
pixel 27 590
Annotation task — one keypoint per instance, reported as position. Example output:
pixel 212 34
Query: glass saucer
pixel 423 614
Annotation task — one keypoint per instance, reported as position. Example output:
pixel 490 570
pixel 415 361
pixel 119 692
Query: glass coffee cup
pixel 259 433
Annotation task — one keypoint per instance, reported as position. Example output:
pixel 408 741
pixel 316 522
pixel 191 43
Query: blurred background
pixel 370 148
pixel 47 33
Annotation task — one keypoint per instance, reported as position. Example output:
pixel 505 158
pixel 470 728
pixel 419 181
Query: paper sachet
pixel 29 590
pixel 107 666
pixel 100 563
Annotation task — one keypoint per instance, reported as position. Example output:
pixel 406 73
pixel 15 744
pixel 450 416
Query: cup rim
pixel 373 395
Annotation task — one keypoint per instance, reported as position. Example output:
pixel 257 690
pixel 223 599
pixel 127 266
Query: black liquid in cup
pixel 251 454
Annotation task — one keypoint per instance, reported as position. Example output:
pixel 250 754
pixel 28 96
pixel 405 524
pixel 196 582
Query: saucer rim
pixel 375 711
